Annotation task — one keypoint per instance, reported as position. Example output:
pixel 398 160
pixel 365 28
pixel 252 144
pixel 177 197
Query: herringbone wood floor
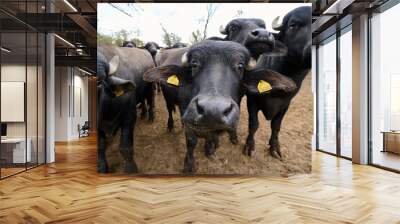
pixel 70 191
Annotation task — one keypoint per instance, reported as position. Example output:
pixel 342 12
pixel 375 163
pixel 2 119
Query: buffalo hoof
pixel 130 167
pixel 143 115
pixel 188 169
pixel 170 125
pixel 248 149
pixel 151 117
pixel 234 140
pixel 276 153
pixel 102 167
pixel 233 137
pixel 210 149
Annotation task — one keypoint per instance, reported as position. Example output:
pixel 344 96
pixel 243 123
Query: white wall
pixel 71 94
pixel 33 126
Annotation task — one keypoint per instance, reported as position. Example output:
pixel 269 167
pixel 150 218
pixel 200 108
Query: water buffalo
pixel 120 86
pixel 152 48
pixel 295 34
pixel 170 57
pixel 147 102
pixel 210 79
pixel 128 44
pixel 177 45
pixel 251 33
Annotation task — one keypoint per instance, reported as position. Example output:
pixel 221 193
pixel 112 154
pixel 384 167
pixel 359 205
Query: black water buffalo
pixel 295 34
pixel 251 33
pixel 128 44
pixel 147 102
pixel 152 48
pixel 209 80
pixel 120 86
pixel 177 45
pixel 170 57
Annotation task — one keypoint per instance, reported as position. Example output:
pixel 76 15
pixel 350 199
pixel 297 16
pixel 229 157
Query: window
pixel 22 101
pixel 327 96
pixel 346 92
pixel 385 89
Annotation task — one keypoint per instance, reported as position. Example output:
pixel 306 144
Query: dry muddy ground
pixel 158 151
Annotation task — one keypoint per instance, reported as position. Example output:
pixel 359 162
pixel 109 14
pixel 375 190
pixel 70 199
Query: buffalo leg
pixel 211 145
pixel 170 124
pixel 233 137
pixel 102 166
pixel 158 87
pixel 126 147
pixel 253 126
pixel 150 102
pixel 189 165
pixel 276 122
pixel 144 109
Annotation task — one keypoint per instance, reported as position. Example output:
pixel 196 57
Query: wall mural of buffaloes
pixel 204 88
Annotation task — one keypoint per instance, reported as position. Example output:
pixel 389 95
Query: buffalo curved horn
pixel 222 30
pixel 252 64
pixel 113 65
pixel 184 59
pixel 276 24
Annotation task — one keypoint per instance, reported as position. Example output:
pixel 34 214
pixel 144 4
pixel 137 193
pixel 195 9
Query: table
pixel 391 141
pixel 13 150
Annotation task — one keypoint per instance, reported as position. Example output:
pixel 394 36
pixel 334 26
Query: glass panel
pixel 346 94
pixel 31 98
pixel 41 99
pixel 385 84
pixel 327 96
pixel 13 86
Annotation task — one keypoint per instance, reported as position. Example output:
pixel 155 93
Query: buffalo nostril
pixel 254 33
pixel 228 110
pixel 200 109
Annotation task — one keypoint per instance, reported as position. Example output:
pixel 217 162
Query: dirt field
pixel 159 152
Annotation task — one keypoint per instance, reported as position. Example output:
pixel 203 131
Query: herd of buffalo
pixel 206 82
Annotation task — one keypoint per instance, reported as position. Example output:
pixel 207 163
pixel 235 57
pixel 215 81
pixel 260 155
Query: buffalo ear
pixel 171 75
pixel 120 86
pixel 265 81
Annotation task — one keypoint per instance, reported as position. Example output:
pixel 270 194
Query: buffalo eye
pixel 293 26
pixel 233 28
pixel 194 64
pixel 240 66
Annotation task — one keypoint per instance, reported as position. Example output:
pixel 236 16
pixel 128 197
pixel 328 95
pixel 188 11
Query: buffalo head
pixel 211 78
pixel 252 34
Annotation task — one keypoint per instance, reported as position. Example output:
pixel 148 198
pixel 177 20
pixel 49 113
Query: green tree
pixel 170 39
pixel 121 36
pixel 104 39
pixel 138 42
pixel 196 37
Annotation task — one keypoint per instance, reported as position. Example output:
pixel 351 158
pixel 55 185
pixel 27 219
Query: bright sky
pixel 182 18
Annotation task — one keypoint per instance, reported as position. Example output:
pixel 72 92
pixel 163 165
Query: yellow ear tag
pixel 119 92
pixel 263 86
pixel 173 80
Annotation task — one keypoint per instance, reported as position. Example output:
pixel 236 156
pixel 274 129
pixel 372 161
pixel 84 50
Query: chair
pixel 84 130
